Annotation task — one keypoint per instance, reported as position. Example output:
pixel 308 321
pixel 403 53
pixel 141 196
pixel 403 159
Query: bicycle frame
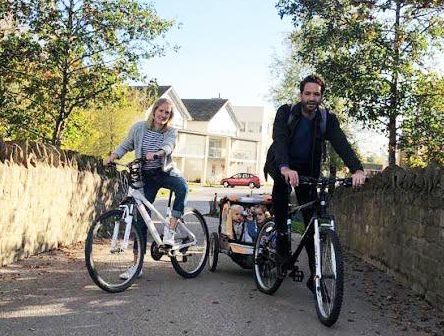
pixel 141 203
pixel 320 212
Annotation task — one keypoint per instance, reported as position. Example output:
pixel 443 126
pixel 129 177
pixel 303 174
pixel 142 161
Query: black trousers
pixel 280 196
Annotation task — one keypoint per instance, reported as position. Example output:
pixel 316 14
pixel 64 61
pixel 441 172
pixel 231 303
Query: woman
pixel 155 140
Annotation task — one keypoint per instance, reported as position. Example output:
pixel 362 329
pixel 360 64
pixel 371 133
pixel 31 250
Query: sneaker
pixel 168 236
pixel 125 275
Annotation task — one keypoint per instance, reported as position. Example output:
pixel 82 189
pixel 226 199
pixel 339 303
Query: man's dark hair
pixel 312 79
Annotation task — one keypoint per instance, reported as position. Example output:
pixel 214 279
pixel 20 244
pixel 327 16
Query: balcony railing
pixel 216 153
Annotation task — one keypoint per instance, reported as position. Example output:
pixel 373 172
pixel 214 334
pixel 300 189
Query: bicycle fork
pixel 127 218
pixel 317 246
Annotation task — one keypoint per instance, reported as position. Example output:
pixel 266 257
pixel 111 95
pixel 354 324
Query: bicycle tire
pixel 100 257
pixel 196 256
pixel 214 252
pixel 266 270
pixel 330 288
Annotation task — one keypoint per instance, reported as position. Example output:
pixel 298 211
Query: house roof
pixel 162 89
pixel 204 109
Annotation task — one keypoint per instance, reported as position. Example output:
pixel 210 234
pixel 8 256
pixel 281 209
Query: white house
pixel 211 143
pixel 257 123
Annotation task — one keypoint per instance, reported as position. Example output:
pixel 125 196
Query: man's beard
pixel 310 106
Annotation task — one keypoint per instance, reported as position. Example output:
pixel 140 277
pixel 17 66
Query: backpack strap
pixel 323 127
pixel 290 120
pixel 323 123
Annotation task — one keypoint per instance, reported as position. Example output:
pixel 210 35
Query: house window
pixel 242 128
pixel 216 149
pixel 254 127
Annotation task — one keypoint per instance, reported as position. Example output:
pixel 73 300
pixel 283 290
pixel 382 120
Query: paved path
pixel 52 294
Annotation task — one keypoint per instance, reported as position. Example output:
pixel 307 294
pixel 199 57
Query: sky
pixel 226 48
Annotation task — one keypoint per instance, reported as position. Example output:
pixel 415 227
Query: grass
pixel 297 226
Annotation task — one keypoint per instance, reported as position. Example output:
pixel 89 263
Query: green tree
pixel 288 71
pixel 58 57
pixel 371 53
pixel 98 130
pixel 422 139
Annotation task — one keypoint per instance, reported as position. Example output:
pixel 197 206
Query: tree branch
pixel 96 52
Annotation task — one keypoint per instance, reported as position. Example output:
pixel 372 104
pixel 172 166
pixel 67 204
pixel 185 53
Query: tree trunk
pixel 392 141
pixel 64 111
pixel 58 132
pixel 392 127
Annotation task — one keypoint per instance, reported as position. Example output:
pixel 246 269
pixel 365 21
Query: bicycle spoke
pixel 194 257
pixel 329 289
pixel 108 254
pixel 266 270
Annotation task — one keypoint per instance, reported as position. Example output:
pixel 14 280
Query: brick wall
pixel 396 222
pixel 48 198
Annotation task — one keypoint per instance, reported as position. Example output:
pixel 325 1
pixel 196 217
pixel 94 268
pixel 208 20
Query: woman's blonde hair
pixel 157 103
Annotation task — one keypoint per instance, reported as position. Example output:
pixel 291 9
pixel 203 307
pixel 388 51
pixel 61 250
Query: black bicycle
pixel 329 275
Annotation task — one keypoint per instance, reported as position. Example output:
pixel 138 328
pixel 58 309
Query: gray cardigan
pixel 135 139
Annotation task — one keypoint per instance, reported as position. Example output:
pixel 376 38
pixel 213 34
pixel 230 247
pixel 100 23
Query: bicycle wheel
pixel 329 288
pixel 192 259
pixel 265 266
pixel 106 256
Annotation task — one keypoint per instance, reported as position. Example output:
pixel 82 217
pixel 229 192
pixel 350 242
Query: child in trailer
pixel 236 228
pixel 250 224
pixel 262 216
pixel 256 218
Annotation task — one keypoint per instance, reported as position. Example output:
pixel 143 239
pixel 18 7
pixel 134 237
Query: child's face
pixel 237 216
pixel 260 215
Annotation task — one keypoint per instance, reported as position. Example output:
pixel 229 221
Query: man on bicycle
pixel 298 133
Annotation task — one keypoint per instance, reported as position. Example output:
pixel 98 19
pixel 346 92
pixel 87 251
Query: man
pixel 297 150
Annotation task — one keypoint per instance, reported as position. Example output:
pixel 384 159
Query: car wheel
pixel 226 184
pixel 252 185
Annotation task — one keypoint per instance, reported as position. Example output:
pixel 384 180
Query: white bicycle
pixel 114 239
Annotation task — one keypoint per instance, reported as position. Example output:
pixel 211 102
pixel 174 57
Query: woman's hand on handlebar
pixel 150 156
pixel 110 159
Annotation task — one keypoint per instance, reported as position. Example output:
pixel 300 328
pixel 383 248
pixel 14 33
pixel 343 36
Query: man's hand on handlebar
pixel 358 178
pixel 290 176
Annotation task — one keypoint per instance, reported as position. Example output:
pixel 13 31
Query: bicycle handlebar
pixel 127 165
pixel 347 182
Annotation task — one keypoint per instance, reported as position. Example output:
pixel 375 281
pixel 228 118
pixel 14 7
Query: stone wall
pixel 396 222
pixel 48 198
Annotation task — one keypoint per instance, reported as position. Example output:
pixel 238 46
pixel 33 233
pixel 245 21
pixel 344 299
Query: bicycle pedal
pixel 296 274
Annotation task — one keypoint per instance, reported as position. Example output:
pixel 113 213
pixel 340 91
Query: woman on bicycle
pixel 154 140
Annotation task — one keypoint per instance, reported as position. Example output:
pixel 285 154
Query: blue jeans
pixel 153 180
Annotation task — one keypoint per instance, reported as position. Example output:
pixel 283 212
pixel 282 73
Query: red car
pixel 241 179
